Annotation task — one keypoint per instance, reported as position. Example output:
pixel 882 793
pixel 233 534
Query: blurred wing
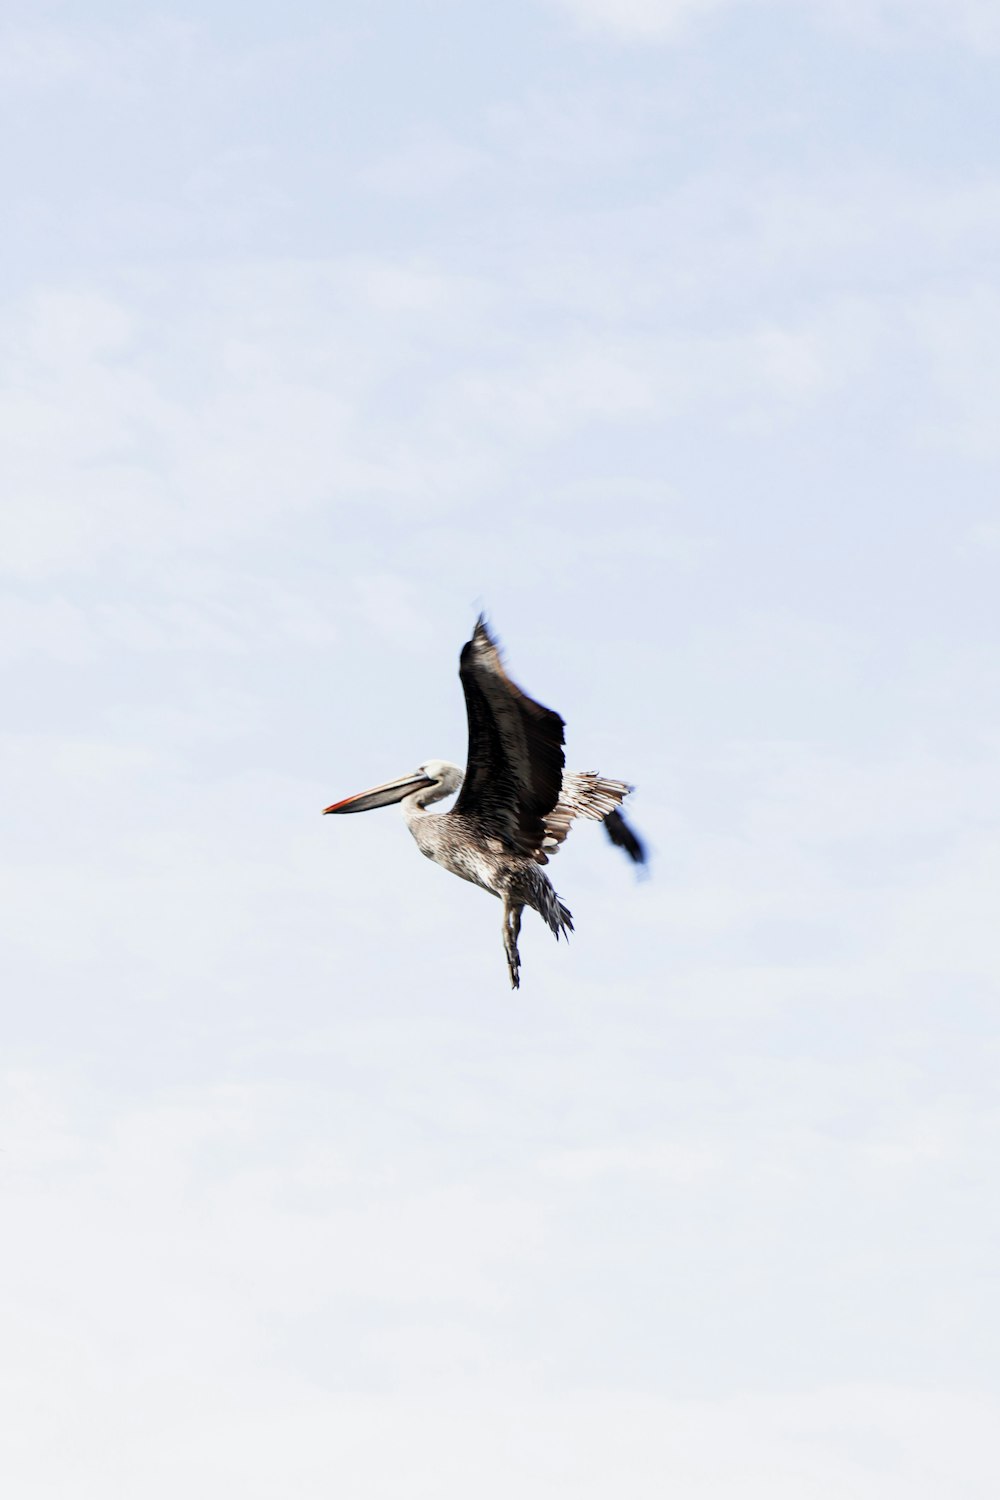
pixel 515 764
pixel 626 838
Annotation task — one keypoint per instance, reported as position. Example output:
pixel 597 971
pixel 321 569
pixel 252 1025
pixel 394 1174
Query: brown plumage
pixel 515 802
pixel 514 766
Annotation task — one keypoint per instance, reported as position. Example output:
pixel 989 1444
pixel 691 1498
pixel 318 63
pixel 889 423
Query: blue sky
pixel 667 333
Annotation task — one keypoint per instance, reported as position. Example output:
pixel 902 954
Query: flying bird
pixel 515 802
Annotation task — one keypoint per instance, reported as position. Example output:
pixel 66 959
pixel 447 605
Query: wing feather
pixel 515 763
pixel 584 794
pixel 625 836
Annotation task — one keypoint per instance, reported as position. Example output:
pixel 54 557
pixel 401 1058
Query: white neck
pixel 448 780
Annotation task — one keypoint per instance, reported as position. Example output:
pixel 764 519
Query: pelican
pixel 515 800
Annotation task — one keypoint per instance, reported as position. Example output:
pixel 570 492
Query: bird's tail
pixel 548 906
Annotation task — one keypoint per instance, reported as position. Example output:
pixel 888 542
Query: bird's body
pixel 515 801
pixel 462 845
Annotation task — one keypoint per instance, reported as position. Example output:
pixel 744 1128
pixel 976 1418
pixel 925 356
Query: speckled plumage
pixel 515 803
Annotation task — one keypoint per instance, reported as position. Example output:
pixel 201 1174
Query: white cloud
pixel 279 391
pixel 690 387
pixel 641 20
pixel 104 457
pixel 43 57
pixel 275 1260
pixel 957 331
pixel 976 23
pixel 674 1162
pixel 54 628
pixel 425 166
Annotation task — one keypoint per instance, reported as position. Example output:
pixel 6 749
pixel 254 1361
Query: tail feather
pixel 552 911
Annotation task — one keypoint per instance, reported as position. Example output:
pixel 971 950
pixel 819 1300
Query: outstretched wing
pixel 515 764
pixel 584 794
pixel 626 838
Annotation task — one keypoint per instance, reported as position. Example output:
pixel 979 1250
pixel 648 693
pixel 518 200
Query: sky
pixel 666 332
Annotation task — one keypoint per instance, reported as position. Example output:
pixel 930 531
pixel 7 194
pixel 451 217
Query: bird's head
pixel 430 782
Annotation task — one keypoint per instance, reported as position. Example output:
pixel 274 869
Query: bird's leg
pixel 511 929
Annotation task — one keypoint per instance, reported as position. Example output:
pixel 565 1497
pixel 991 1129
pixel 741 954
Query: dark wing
pixel 514 771
pixel 621 834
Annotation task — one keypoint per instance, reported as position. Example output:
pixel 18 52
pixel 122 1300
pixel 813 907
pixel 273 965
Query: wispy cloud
pixel 678 357
pixel 974 23
pixel 641 20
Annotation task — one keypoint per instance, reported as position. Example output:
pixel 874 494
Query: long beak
pixel 381 796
